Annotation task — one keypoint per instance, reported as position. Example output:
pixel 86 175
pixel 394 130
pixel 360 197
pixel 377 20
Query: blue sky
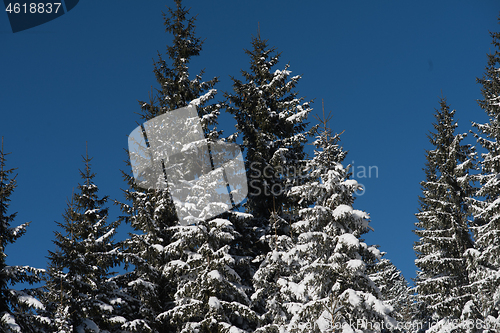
pixel 380 67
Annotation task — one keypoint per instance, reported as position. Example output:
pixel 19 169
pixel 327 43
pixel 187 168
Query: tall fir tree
pixel 271 122
pixel 211 296
pixel 394 290
pixel 177 90
pixel 184 277
pixel 18 309
pixel 485 260
pixel 315 279
pixel 80 293
pixel 443 229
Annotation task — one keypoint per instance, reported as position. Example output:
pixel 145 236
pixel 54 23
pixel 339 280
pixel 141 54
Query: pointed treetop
pixel 185 44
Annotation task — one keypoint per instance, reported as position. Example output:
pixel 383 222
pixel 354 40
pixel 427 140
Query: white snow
pixel 103 237
pixel 214 302
pixel 235 329
pixel 118 320
pixel 378 305
pixel 346 328
pixel 88 325
pixel 215 275
pixel 351 183
pixel 241 215
pixel 11 322
pixel 356 265
pixel 376 252
pixel 177 263
pixel 341 211
pixel 105 307
pixel 157 247
pixel 359 214
pixel 17 230
pixel 91 211
pixel 468 307
pixel 472 252
pixel 297 117
pixel 139 281
pixel 323 322
pixel 347 239
pixel 221 222
pixel 352 297
pixel 27 299
pixel 137 324
pixel 296 289
pixel 204 98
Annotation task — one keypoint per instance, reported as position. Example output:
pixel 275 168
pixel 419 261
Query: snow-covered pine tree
pixel 442 279
pixel 394 289
pixel 184 276
pixel 486 207
pixel 18 309
pixel 316 278
pixel 211 296
pixel 271 123
pixel 80 295
pixel 177 90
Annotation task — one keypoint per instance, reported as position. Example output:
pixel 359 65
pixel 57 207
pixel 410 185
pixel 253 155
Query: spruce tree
pixel 184 276
pixel 315 279
pixel 485 260
pixel 394 289
pixel 18 308
pixel 444 235
pixel 177 90
pixel 211 296
pixel 80 294
pixel 270 120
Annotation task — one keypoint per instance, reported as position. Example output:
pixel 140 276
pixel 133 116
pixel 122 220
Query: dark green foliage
pixel 271 123
pixel 485 260
pixel 173 263
pixel 80 293
pixel 176 88
pixel 394 289
pixel 443 220
pixel 270 119
pixel 17 308
pixel 315 279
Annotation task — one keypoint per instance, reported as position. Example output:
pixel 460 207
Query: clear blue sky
pixel 379 65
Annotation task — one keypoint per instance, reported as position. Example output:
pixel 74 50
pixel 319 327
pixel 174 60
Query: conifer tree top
pixel 7 185
pixel 15 306
pixel 177 90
